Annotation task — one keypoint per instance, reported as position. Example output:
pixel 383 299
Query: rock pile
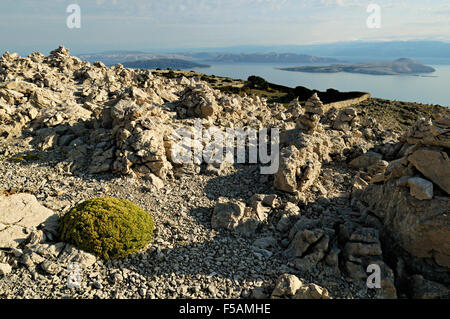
pixel 341 246
pixel 310 120
pixel 344 120
pixel 199 101
pixel 295 109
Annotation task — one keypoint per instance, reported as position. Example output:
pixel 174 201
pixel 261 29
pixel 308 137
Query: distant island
pixel 269 58
pixel 401 66
pixel 164 64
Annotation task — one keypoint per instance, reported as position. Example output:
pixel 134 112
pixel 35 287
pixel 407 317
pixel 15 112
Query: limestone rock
pixel 346 120
pixel 286 286
pixel 234 216
pixel 295 108
pixel 310 120
pixel 200 101
pixel 5 269
pixel 421 188
pixel 302 241
pixel 262 205
pixel 290 286
pixel 71 254
pixel 412 210
pixel 362 247
pixel 388 289
pixel 420 227
pixel 433 164
pixel 312 292
pixel 288 216
pixel 31 259
pixel 50 267
pixel 430 133
pixel 366 160
pixel 20 213
pixel 297 171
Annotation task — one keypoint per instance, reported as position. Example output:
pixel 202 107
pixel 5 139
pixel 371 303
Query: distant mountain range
pixel 164 64
pixel 268 58
pixel 380 50
pixel 397 67
pixel 114 57
pixel 186 60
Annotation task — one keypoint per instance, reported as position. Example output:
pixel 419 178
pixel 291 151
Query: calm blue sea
pixel 430 89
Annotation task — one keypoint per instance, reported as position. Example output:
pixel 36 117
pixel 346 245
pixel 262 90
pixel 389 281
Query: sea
pixel 433 88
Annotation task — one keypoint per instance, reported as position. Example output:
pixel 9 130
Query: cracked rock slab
pixel 71 254
pixel 20 213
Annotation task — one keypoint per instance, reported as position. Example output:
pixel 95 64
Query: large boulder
pixel 235 216
pixel 421 228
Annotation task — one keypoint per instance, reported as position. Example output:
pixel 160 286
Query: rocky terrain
pixel 352 190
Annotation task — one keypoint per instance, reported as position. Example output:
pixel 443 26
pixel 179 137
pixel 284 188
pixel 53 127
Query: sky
pixel 168 25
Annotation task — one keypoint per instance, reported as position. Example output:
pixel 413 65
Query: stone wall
pixel 347 103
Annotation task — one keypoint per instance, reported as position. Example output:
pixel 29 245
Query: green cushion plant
pixel 107 227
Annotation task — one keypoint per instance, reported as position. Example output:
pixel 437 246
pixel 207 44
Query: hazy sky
pixel 151 25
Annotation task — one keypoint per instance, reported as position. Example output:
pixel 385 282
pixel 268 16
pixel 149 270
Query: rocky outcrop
pixel 421 227
pixel 411 200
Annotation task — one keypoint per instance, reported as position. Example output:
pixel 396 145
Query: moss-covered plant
pixel 107 227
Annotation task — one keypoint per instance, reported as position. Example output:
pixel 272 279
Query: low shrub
pixel 107 227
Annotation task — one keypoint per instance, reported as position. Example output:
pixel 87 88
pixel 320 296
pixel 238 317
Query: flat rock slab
pixel 435 165
pixel 20 212
pixel 71 254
